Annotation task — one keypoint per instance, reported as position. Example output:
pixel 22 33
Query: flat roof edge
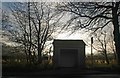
pixel 67 40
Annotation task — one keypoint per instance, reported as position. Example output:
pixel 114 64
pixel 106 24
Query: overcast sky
pixel 79 35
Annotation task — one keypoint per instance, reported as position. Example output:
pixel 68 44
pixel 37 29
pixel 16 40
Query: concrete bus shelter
pixel 69 53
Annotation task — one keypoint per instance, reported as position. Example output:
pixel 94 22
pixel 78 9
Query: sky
pixel 79 35
pixel 58 0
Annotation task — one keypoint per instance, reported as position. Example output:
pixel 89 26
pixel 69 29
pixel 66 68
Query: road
pixel 73 76
pixel 62 73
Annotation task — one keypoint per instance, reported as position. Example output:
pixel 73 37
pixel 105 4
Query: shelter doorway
pixel 68 57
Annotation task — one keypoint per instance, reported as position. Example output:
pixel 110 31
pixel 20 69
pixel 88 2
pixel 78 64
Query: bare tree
pixel 101 45
pixel 97 15
pixel 36 22
pixel 111 45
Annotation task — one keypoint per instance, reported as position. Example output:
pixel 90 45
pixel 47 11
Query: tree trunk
pixel 25 48
pixel 39 44
pixel 106 57
pixel 30 56
pixel 105 50
pixel 116 31
pixel 39 54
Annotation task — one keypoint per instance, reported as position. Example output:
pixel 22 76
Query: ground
pixel 63 73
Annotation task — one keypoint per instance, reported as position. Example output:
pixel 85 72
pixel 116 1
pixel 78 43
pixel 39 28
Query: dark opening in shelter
pixel 69 53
